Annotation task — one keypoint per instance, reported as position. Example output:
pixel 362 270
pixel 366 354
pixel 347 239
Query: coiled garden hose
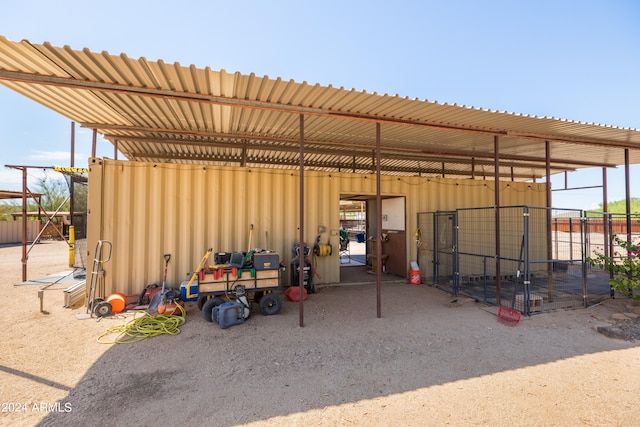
pixel 145 326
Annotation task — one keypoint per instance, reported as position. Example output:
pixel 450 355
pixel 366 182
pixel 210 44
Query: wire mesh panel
pixel 443 249
pixel 531 259
pixel 435 247
pixel 558 270
pixel 540 258
pixel 476 252
pixel 490 272
pixel 80 258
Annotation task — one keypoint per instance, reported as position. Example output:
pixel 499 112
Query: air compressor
pixel 306 270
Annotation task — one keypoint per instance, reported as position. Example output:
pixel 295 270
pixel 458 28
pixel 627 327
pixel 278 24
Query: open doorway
pixel 358 238
pixel 353 232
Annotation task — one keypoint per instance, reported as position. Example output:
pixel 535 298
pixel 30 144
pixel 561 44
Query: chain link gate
pixel 436 231
pixel 539 266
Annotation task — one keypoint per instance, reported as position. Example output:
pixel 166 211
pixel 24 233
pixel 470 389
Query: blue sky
pixel 575 60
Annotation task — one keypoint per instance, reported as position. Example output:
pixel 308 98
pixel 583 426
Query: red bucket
pixel 293 293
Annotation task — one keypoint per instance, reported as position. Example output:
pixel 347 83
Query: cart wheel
pixel 202 300
pixel 94 302
pixel 103 308
pixel 207 308
pixel 270 304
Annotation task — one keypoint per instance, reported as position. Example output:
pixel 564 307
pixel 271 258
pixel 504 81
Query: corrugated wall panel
pixel 11 231
pixel 147 210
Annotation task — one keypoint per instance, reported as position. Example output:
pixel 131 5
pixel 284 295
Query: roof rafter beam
pixel 292 148
pixel 463 156
pixel 337 165
pixel 90 85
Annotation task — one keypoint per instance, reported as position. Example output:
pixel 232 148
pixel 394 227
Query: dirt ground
pixel 429 360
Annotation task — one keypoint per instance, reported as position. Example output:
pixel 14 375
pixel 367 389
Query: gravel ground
pixel 429 360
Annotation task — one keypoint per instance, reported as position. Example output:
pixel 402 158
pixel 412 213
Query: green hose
pixel 145 326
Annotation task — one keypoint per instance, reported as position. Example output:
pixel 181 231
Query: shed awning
pixel 160 112
pixel 8 194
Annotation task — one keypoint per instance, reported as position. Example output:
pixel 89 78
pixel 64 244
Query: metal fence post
pixel 455 254
pixel 526 296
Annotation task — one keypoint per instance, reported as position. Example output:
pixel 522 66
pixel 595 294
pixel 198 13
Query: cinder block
pixel 535 303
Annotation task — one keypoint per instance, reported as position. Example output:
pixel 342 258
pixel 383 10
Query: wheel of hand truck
pixel 201 300
pixel 270 304
pixel 103 308
pixel 94 302
pixel 207 308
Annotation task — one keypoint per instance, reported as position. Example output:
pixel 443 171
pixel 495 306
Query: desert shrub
pixel 624 265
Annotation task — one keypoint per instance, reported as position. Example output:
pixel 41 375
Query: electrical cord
pixel 145 326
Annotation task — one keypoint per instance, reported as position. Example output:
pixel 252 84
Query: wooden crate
pixel 251 279
pixel 267 278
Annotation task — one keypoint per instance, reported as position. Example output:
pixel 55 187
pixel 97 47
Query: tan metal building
pixel 208 153
pixel 148 209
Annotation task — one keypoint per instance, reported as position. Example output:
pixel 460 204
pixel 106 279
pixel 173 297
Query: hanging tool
pixel 320 249
pixel 250 237
pixel 202 265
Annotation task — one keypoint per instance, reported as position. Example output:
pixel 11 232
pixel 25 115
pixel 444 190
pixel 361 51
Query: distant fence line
pixel 596 225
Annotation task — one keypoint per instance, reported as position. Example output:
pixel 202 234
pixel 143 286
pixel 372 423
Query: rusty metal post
pixel 496 177
pixel 73 144
pixel 301 254
pixel 605 210
pixel 24 224
pixel 608 244
pixel 378 241
pixel 627 193
pixel 547 156
pixel 94 142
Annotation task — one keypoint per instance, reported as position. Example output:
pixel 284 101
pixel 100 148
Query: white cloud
pixel 50 156
pixel 10 179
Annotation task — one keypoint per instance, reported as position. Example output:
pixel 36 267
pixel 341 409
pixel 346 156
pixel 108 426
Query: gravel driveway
pixel 430 360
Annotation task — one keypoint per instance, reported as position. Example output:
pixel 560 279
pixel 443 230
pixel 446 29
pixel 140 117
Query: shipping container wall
pixel 11 231
pixel 147 210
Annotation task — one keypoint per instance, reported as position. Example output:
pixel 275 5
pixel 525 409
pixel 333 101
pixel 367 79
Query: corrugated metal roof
pixel 159 112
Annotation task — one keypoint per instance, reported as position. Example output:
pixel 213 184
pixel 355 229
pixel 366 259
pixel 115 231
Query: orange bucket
pixel 414 277
pixel 117 301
